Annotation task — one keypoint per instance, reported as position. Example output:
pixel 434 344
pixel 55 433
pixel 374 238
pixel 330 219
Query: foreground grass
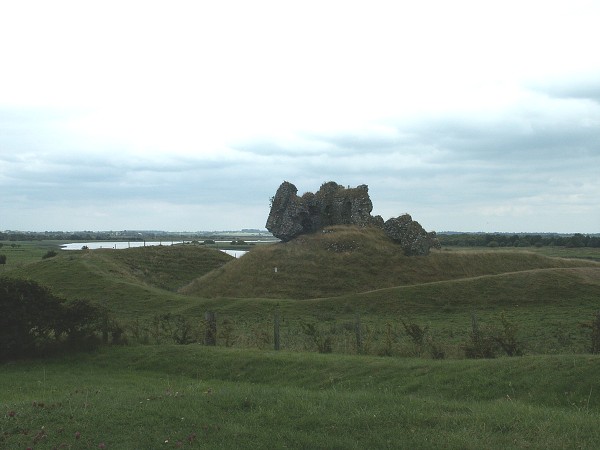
pixel 198 397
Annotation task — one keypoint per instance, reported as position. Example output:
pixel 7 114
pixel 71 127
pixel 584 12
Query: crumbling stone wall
pixel 333 204
pixel 410 235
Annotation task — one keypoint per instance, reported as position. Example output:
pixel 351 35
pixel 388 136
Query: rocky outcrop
pixel 289 214
pixel 411 236
pixel 333 204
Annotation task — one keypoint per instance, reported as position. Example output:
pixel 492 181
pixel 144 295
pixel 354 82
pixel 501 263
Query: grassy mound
pixel 133 282
pixel 341 274
pixel 344 259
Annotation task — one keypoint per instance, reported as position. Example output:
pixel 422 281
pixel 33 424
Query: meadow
pixel 352 371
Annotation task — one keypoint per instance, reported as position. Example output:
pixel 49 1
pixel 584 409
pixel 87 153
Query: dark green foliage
pixel 435 350
pixel 82 322
pixel 49 254
pixel 165 328
pixel 481 342
pixel 423 340
pixel 2 259
pixel 33 320
pixel 323 342
pixel 576 240
pixel 184 331
pixel 506 337
pixel 594 327
pixel 486 342
pixel 415 332
pixel 29 318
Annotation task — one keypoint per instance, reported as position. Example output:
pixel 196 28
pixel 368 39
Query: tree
pixel 32 320
pixel 29 315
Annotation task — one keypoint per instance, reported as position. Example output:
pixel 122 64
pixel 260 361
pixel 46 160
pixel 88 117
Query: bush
pixel 83 322
pixel 49 254
pixel 594 326
pixel 415 332
pixel 29 318
pixel 324 343
pixel 33 320
pixel 2 259
pixel 481 343
pixel 506 337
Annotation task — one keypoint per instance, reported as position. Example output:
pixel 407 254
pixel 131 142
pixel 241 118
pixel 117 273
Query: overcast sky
pixel 186 116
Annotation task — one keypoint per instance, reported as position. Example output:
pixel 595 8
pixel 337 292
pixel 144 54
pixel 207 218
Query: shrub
pixel 184 331
pixel 481 343
pixel 33 320
pixel 506 337
pixel 29 318
pixel 435 350
pixel 415 332
pixel 2 259
pixel 594 326
pixel 49 254
pixel 82 322
pixel 323 343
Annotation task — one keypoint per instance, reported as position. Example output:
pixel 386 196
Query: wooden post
pixel 276 337
pixel 210 337
pixel 358 331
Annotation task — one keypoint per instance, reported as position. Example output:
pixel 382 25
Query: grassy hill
pixel 344 260
pixel 328 279
pixel 134 282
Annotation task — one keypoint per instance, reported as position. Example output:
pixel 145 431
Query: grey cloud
pixel 581 87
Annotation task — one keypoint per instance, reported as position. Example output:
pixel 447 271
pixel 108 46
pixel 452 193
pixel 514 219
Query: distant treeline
pixel 62 235
pixel 117 235
pixel 518 240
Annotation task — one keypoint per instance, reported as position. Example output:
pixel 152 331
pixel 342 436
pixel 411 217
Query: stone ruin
pixel 333 204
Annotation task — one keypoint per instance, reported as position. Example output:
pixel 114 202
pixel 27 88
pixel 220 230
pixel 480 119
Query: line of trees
pixel 518 240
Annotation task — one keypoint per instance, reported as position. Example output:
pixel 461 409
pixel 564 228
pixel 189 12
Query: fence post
pixel 358 331
pixel 210 337
pixel 276 337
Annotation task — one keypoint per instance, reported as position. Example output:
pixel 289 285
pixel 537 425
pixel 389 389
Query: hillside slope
pixel 344 260
pixel 134 282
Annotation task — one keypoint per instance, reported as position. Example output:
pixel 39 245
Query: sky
pixel 188 115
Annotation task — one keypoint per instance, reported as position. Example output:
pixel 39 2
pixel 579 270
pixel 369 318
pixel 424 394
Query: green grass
pixel 134 283
pixel 21 253
pixel 365 275
pixel 248 396
pixel 347 260
pixel 198 397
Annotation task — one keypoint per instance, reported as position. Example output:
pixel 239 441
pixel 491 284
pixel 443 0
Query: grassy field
pixel 198 397
pixel 21 253
pixel 242 394
pixel 331 280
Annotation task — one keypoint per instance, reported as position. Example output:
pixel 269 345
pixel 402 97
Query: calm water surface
pixel 117 245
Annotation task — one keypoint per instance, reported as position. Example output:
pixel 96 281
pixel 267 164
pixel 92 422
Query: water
pixel 118 245
pixel 115 244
